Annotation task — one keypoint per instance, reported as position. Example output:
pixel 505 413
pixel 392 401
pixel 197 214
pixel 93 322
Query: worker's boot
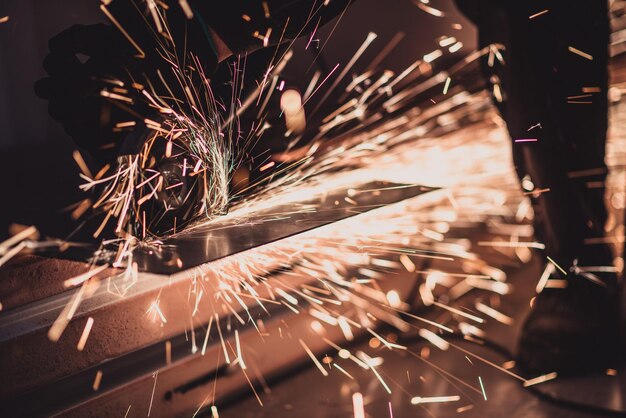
pixel 572 330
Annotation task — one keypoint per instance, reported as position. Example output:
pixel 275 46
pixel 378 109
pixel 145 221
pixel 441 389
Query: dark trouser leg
pixel 545 82
pixel 556 75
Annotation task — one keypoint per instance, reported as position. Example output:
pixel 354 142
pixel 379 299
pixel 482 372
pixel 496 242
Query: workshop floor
pixel 310 394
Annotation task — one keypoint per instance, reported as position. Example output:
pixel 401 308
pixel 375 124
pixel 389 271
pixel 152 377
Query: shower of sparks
pixel 339 276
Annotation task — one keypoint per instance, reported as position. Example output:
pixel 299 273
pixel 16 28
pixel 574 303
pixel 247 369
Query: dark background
pixel 38 176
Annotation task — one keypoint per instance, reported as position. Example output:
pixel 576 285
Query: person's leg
pixel 558 77
pixel 547 83
pixel 554 84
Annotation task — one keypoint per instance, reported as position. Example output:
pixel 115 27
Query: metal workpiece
pixel 144 321
pixel 218 238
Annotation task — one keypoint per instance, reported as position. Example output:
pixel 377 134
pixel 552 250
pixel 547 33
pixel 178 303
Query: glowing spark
pixel 556 265
pixel 543 12
pixel 83 207
pixel 430 57
pixel 526 140
pixel 315 360
pixel 155 310
pixel 266 38
pixel 287 296
pixel 497 92
pixel 156 375
pixel 447 41
pixel 312 34
pixel 519 244
pixel 4 19
pixel 85 334
pixel 74 281
pixel 428 9
pixel 168 352
pixel 536 192
pixel 447 85
pixel 370 363
pixel 115 96
pixel 459 312
pixel 342 370
pixel 482 387
pixel 320 85
pixel 20 236
pixel 96 381
pixel 393 297
pixel 417 400
pixel 456 47
pixel 81 163
pixel 508 365
pixel 540 379
pixel 386 343
pixel 266 166
pixel 371 36
pixel 580 53
pixel 266 9
pixel 434 339
pixel 419 318
pixel 464 409
pixel 502 369
pixel 66 315
pixel 407 263
pixel 206 337
pixel 345 328
pixel 12 252
pixel 358 405
pixel 239 356
pixel 498 316
pixel 186 8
